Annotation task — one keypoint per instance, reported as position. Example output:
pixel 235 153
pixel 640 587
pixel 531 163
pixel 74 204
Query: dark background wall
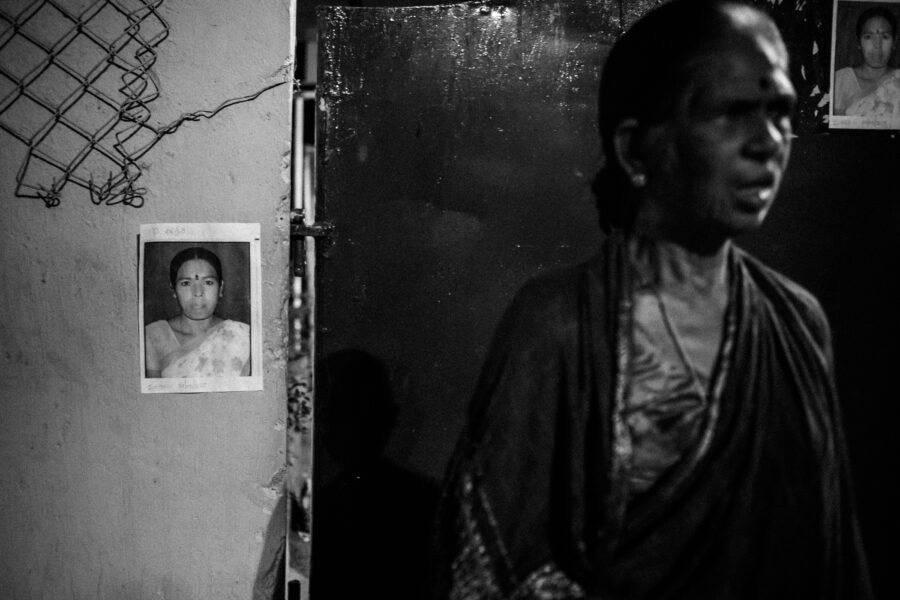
pixel 835 229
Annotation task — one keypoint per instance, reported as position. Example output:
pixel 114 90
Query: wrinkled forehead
pixel 744 66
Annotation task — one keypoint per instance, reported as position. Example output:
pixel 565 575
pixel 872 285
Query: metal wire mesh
pixel 75 88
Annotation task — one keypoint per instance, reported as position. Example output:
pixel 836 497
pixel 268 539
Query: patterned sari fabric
pixel 223 352
pixel 536 503
pixel 883 102
pixel 850 100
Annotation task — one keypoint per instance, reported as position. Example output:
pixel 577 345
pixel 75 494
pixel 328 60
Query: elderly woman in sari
pixel 661 421
pixel 197 342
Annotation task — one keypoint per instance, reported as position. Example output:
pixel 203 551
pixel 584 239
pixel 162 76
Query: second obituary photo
pixel 865 78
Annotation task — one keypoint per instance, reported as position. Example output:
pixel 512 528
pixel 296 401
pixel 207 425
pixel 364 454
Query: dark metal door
pixel 457 146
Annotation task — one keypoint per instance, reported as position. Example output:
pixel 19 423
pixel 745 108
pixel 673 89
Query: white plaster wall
pixel 106 493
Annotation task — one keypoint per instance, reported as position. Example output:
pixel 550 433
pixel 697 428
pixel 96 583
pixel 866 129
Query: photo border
pixel 855 122
pixel 201 233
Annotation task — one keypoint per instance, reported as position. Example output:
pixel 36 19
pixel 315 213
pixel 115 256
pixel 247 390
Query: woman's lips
pixel 757 194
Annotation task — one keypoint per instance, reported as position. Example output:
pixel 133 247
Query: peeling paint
pixel 277 479
pixel 286 166
pixel 286 71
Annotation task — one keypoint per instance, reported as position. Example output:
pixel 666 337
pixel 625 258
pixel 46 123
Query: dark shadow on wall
pixel 372 518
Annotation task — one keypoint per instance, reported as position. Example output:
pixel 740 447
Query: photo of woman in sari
pixel 870 85
pixel 197 343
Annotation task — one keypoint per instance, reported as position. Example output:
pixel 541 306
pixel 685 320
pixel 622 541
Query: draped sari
pixel 536 503
pixel 223 351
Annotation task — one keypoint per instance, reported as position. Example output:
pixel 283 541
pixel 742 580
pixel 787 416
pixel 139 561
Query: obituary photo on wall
pixel 199 308
pixel 865 78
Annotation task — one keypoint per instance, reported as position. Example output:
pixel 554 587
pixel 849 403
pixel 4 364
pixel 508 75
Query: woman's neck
pixel 869 73
pixel 192 327
pixel 672 267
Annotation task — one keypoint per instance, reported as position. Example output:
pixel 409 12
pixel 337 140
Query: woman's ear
pixel 221 287
pixel 626 141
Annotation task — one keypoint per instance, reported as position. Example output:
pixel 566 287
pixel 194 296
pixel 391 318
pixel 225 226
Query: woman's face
pixel 718 163
pixel 876 41
pixel 198 289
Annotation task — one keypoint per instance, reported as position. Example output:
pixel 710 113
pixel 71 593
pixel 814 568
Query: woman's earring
pixel 638 180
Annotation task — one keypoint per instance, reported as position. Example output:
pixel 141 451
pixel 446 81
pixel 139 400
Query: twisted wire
pixel 90 53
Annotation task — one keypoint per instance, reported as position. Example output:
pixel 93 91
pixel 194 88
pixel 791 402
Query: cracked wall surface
pixel 108 493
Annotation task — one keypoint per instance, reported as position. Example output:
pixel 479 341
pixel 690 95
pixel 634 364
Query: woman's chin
pixel 198 315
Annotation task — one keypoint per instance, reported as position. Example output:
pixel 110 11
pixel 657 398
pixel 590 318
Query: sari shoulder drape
pixel 223 351
pixel 504 536
pixel 160 341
